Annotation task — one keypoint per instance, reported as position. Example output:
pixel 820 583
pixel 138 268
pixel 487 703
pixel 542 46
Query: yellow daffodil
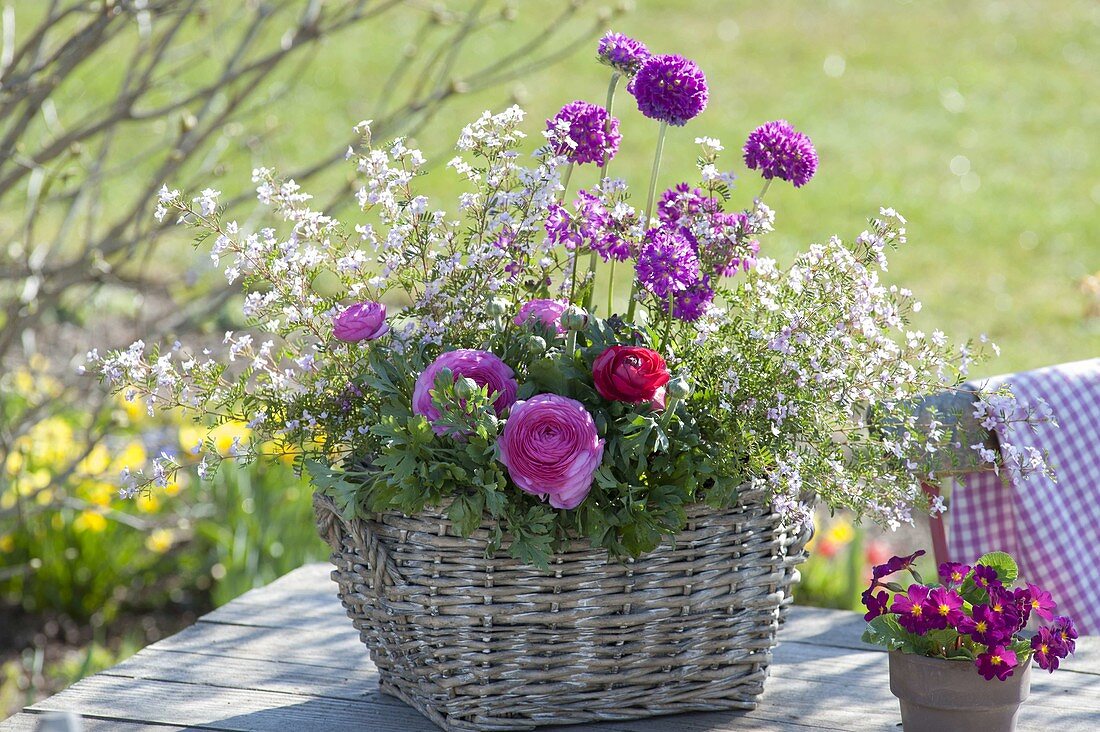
pixel 841 532
pixel 159 541
pixel 91 521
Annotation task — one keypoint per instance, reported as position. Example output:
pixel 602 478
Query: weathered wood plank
pixel 28 722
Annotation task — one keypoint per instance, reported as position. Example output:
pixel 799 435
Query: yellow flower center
pixel 944 609
pixel 956 576
pixel 1035 604
pixel 998 608
pixel 1043 648
pixel 980 626
pixel 916 610
pixel 996 660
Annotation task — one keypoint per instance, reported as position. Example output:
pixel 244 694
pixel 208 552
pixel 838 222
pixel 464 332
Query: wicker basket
pixel 491 644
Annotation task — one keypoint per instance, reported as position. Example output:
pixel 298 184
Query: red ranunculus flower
pixel 629 374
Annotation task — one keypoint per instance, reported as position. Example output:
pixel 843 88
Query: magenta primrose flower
pixel 876 603
pixel 1041 602
pixel 1065 631
pixel 910 608
pixel 986 577
pixel 942 608
pixel 997 661
pixel 896 564
pixel 953 573
pixel 989 627
pixel 1047 649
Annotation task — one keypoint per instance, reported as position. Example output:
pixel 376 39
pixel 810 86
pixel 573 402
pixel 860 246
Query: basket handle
pixel 333 527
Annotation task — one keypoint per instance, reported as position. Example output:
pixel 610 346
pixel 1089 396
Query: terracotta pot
pixel 949 696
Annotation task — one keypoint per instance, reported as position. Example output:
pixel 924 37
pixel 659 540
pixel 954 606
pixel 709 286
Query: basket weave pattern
pixel 491 644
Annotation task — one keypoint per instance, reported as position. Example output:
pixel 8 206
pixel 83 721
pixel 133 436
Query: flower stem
pixel 607 127
pixel 767 184
pixel 611 289
pixel 565 181
pixel 648 208
pixel 668 322
pixel 591 295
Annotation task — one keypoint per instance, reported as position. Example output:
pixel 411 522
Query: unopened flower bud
pixel 465 388
pixel 499 306
pixel 574 318
pixel 678 388
pixel 535 345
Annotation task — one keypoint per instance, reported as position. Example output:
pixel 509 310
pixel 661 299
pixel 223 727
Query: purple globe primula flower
pixel 667 262
pixel 1065 631
pixel 943 608
pixel 1047 647
pixel 910 608
pixel 670 88
pixel 876 604
pixel 484 367
pixel 778 150
pixel 895 564
pixel 594 140
pixel 953 573
pixel 622 53
pixel 997 661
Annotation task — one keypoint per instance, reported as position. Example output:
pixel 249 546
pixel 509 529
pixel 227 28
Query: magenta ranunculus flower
pixel 594 140
pixel 363 321
pixel 670 88
pixel 485 368
pixel 551 449
pixel 778 150
pixel 548 312
pixel 997 661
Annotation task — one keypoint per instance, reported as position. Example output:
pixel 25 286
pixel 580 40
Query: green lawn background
pixel 979 121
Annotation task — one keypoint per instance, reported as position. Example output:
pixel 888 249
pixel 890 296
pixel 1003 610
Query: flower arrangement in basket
pixel 548 503
pixel 939 632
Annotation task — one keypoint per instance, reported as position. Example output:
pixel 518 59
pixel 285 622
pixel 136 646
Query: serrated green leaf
pixel 1004 564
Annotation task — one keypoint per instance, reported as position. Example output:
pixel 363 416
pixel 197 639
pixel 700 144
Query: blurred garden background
pixel 978 121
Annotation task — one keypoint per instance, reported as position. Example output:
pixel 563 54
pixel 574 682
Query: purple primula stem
pixel 565 181
pixel 767 184
pixel 668 322
pixel 611 86
pixel 648 208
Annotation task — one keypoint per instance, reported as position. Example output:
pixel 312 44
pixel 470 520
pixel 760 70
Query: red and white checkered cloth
pixel 1052 528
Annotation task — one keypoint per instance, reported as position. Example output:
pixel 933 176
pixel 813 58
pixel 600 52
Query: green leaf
pixel 885 631
pixel 465 512
pixel 1004 564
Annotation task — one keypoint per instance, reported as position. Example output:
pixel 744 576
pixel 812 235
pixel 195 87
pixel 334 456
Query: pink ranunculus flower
pixel 551 449
pixel 547 311
pixel 363 321
pixel 483 367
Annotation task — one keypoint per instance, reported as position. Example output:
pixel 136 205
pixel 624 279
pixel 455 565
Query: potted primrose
pixel 960 654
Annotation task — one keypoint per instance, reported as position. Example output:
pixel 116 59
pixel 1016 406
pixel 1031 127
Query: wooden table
pixel 284 657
